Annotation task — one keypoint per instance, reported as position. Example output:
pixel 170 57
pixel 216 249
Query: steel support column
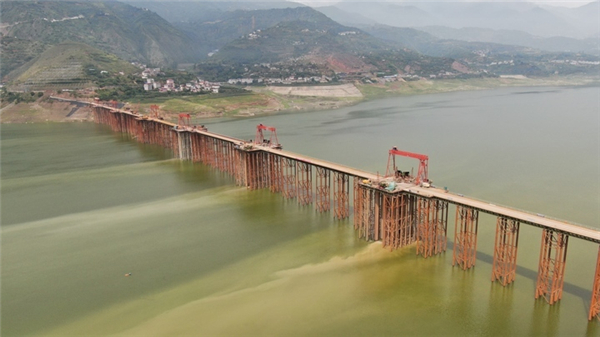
pixel 184 145
pixel 504 267
pixel 359 208
pixel 408 229
pixel 366 216
pixel 276 178
pixel 465 237
pixel 595 303
pixel 255 170
pixel 240 171
pixel 390 220
pixel 323 189
pixel 432 222
pixel 341 195
pixel 551 270
pixel 289 178
pixel 228 158
pixel 304 176
pixel 219 155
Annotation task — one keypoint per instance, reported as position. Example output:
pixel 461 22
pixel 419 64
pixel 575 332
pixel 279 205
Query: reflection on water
pixel 82 207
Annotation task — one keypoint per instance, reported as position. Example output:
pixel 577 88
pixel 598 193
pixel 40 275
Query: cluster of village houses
pixel 288 80
pixel 197 85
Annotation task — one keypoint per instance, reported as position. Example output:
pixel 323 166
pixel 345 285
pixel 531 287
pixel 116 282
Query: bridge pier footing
pixel 551 270
pixel 504 267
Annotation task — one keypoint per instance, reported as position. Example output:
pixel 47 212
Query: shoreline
pixel 264 101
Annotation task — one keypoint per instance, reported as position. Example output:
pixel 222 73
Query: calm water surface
pixel 82 206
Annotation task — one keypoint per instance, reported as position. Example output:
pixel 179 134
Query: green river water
pixel 82 206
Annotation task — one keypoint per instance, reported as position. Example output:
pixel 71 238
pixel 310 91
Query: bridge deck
pixel 538 220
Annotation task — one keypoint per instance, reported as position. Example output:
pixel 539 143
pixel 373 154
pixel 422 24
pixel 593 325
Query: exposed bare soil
pixel 44 111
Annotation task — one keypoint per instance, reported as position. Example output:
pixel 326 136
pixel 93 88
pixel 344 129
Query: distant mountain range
pixel 517 38
pixel 225 39
pixel 308 39
pixel 226 26
pixel 203 11
pixel 541 21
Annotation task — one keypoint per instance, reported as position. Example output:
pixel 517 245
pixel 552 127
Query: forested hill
pixel 226 26
pixel 301 40
pixel 28 28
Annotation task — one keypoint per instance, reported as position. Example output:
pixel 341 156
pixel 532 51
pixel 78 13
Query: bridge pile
pixel 394 209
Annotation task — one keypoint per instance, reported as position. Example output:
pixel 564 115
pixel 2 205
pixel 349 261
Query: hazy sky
pixel 563 3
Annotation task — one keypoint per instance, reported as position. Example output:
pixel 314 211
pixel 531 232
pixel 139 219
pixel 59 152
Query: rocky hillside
pixel 133 34
pixel 70 65
pixel 302 40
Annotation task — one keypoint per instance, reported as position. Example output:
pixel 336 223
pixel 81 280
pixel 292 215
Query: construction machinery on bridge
pixel 271 142
pixel 421 178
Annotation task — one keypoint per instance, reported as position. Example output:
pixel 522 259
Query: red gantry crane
pixel 260 139
pixel 392 170
pixel 154 111
pixel 184 120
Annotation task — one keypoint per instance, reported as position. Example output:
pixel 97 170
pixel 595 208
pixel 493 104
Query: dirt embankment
pixel 343 90
pixel 45 110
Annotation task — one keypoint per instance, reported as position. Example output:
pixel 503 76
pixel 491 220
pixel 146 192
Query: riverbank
pixel 273 100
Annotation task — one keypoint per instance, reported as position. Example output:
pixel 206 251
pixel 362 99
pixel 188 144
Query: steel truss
pixel 551 270
pixel 504 267
pixel 465 237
